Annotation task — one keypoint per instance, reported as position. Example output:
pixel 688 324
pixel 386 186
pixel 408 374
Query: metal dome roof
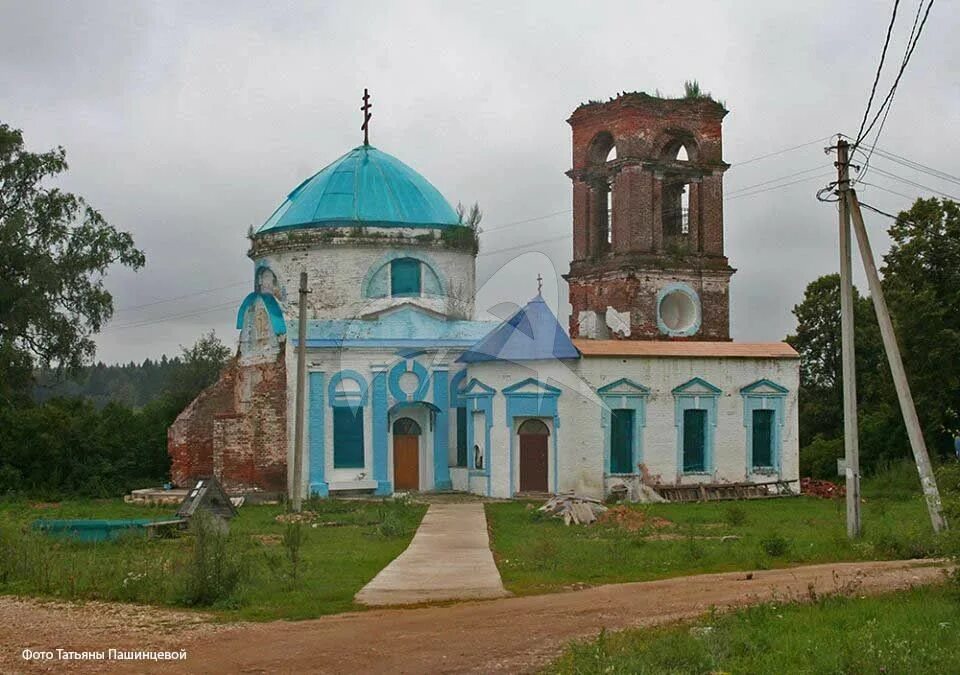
pixel 364 186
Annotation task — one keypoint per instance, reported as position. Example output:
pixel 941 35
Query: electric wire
pixel 876 77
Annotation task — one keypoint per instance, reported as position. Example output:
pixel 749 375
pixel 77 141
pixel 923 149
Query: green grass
pixel 907 632
pixel 537 555
pixel 336 560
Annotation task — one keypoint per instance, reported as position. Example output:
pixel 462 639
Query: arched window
pixel 534 427
pixel 406 427
pixel 603 150
pixel 405 277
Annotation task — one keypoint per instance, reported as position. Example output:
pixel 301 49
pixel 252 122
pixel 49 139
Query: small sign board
pixel 841 467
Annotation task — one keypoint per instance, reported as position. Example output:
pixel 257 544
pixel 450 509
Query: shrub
pixel 735 515
pixel 775 545
pixel 215 567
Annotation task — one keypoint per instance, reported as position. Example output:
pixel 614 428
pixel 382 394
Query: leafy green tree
pixel 200 367
pixel 54 251
pixel 921 281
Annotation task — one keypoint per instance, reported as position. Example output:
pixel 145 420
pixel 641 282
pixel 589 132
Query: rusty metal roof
pixel 706 350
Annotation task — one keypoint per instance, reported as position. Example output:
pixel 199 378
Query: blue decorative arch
pixel 539 403
pixel 376 282
pixel 417 369
pixel 456 382
pixel 352 399
pixel 274 312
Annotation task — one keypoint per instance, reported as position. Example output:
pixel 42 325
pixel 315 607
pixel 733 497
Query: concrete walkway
pixel 448 559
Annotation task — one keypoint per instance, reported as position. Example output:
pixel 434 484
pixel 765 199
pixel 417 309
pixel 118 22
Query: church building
pixel 407 391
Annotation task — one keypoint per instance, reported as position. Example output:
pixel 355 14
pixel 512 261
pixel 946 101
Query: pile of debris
pixel 821 488
pixel 574 509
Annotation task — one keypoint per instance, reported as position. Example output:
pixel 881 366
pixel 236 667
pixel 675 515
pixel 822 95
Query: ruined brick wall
pixel 235 430
pixel 626 255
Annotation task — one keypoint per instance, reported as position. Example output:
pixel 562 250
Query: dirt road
pixel 506 635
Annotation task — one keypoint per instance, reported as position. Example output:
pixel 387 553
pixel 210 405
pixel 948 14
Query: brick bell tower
pixel 648 260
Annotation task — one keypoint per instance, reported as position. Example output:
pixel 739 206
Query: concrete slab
pixel 449 558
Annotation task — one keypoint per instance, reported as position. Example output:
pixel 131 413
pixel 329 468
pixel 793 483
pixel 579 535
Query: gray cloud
pixel 187 122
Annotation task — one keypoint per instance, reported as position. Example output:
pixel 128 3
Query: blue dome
pixel 365 186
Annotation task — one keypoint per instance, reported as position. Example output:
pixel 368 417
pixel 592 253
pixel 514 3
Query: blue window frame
pixel 347 437
pixel 462 436
pixel 405 278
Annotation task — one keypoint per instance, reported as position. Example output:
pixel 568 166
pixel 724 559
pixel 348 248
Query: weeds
pixel 293 537
pixel 775 545
pixel 215 567
pixel 735 515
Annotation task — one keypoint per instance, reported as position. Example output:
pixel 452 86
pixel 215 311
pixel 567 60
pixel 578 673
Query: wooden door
pixel 533 462
pixel 406 462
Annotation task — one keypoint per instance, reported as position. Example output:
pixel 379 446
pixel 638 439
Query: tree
pixel 200 367
pixel 54 252
pixel 921 281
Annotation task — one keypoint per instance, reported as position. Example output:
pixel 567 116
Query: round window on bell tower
pixel 678 311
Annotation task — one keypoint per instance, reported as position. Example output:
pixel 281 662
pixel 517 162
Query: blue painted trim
pixel 681 389
pixel 423 380
pixel 391 343
pixel 316 429
pixel 778 390
pixel 690 293
pixel 441 430
pixel 456 384
pixel 696 401
pixel 352 399
pixel 477 388
pixel 479 397
pixel 547 389
pixel 542 403
pixel 754 399
pixel 274 312
pixel 381 465
pixel 635 400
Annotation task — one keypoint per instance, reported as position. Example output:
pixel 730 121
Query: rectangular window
pixel 347 437
pixel 621 441
pixel 405 277
pixel 694 440
pixel 762 439
pixel 461 436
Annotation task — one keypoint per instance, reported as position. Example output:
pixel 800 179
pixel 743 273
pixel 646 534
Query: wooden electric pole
pixel 851 442
pixel 917 444
pixel 295 488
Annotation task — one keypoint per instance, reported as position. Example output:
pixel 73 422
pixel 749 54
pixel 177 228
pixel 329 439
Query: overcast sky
pixel 186 123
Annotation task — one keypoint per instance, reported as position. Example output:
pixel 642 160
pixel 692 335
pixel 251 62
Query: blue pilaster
pixel 441 432
pixel 381 467
pixel 318 458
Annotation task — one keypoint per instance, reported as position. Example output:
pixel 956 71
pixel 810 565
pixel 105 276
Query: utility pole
pixel 295 489
pixel 917 444
pixel 851 441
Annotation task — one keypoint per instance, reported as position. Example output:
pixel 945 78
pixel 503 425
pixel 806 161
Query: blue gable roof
pixel 532 334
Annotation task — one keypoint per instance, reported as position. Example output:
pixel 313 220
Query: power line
pixel 903 66
pixel 528 220
pixel 164 319
pixel 777 187
pixel 916 166
pixel 915 184
pixel 903 63
pixel 779 152
pixel 774 180
pixel 182 297
pixel 876 78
